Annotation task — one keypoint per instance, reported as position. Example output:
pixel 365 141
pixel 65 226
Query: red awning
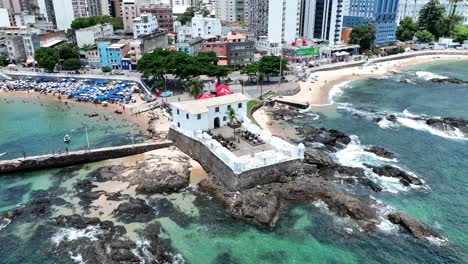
pixel 223 89
pixel 204 96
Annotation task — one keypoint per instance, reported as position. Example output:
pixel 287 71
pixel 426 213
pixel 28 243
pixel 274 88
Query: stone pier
pixel 77 157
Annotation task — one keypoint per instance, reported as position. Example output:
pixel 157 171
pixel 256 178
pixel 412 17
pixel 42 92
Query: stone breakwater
pixel 78 157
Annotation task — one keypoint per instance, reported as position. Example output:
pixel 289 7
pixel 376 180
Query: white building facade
pixel 88 36
pixel 144 24
pixel 205 26
pixel 64 14
pixel 322 19
pixel 208 113
pixel 283 20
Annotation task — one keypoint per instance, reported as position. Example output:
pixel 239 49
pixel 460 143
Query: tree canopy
pixel 270 65
pixel 186 17
pixel 460 33
pixel 160 62
pixel 72 64
pixel 424 36
pixel 83 22
pixel 46 58
pixel 364 35
pixel 406 29
pixel 431 18
pixel 4 61
pixel 68 51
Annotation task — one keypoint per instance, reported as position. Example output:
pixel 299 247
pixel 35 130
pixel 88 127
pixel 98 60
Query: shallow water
pixel 38 127
pixel 201 231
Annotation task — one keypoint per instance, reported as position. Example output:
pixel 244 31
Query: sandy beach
pixel 128 111
pixel 318 92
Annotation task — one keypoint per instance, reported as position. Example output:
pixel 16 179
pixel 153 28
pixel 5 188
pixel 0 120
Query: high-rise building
pixel 321 19
pixel 283 20
pixel 205 27
pixel 410 8
pixel 382 13
pixel 64 13
pixel 230 10
pixel 258 17
pixel 130 11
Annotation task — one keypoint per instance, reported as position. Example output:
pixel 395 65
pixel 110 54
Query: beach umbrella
pixel 223 89
pixel 204 96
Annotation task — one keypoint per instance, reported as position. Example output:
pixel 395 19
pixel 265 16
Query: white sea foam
pixel 69 234
pixel 145 256
pixel 422 126
pixel 337 90
pixel 77 259
pixel 429 75
pixel 4 222
pixel 437 241
pixel 386 124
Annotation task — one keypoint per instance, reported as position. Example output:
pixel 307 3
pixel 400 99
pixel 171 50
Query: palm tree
pixel 194 86
pixel 231 115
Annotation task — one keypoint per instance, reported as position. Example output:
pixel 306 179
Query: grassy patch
pixel 250 105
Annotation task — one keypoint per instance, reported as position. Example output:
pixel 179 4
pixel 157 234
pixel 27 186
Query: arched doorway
pixel 216 122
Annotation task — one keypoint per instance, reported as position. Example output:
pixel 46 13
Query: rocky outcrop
pixel 134 210
pixel 449 80
pixel 450 124
pixel 381 152
pixel 156 174
pixel 394 172
pixel 415 228
pixel 331 139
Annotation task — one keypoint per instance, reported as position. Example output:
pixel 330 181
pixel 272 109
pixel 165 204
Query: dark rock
pixel 39 206
pixel 415 228
pixel 369 183
pixel 449 80
pixel 85 185
pixel 331 138
pixel 394 172
pixel 115 196
pixel 449 124
pixel 319 159
pixel 134 210
pixel 391 118
pixel 379 151
pixel 76 221
pixel 14 213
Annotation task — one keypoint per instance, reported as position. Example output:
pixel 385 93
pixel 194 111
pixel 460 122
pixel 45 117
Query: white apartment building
pixel 4 18
pixel 88 36
pixel 144 24
pixel 205 26
pixel 283 20
pixel 263 44
pixel 64 14
pixel 411 8
pixel 184 33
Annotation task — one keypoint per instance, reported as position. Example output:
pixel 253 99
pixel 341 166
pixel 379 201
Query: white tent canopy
pixel 342 53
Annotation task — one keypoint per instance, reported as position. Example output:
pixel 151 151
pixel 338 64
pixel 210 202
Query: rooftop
pixel 201 106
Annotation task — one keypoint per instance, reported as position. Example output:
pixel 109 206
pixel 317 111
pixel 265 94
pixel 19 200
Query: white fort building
pixel 244 149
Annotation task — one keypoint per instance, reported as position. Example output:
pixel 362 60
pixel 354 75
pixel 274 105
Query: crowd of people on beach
pixel 87 90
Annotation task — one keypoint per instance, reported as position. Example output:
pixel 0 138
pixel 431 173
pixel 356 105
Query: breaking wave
pixel 4 222
pixel 337 90
pixel 429 75
pixel 69 234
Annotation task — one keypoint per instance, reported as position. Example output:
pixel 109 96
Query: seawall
pixel 217 168
pixel 77 157
pixel 342 65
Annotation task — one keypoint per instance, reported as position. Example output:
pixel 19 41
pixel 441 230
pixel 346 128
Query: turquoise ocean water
pixel 202 232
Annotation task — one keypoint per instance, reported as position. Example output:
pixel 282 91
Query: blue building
pixel 112 55
pixel 381 13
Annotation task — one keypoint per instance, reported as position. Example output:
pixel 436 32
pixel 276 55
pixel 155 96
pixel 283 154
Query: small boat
pixel 66 139
pixel 93 114
pixel 117 111
pixel 4 153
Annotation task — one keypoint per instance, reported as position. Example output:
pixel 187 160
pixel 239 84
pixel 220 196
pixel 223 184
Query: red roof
pixel 204 96
pixel 223 89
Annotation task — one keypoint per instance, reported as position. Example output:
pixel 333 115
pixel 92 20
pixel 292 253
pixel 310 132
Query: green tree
pixel 231 116
pixel 194 86
pixel 406 29
pixel 4 61
pixel 460 33
pixel 186 17
pixel 424 36
pixel 431 18
pixel 270 65
pixel 83 22
pixel 46 58
pixel 106 69
pixel 251 70
pixel 88 47
pixel 68 51
pixel 364 35
pixel 72 64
